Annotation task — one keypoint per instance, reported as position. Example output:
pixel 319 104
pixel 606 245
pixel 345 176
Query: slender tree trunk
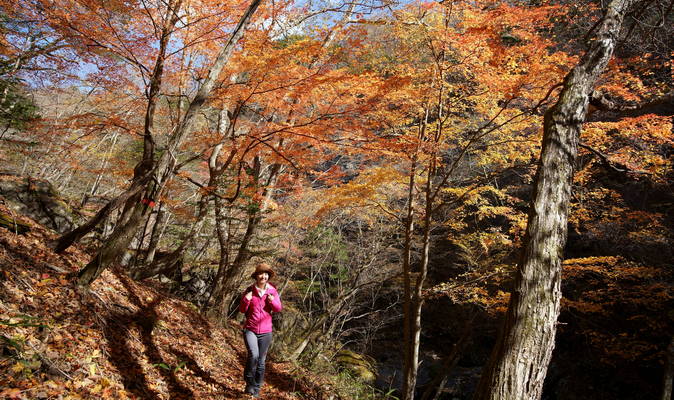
pixel 412 301
pixel 669 373
pixel 175 259
pixel 167 264
pixel 224 290
pixel 224 237
pixel 409 365
pixel 417 301
pixel 99 177
pixel 308 336
pixel 331 314
pixel 157 231
pixel 520 358
pixel 229 274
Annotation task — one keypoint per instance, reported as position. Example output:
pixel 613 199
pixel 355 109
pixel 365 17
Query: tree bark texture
pixel 167 264
pixel 520 358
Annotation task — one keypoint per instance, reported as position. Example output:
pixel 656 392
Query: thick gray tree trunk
pixel 520 358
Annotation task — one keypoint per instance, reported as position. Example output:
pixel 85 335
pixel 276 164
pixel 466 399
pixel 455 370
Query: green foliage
pixel 289 40
pixel 25 360
pixel 17 110
pixel 348 383
pixel 167 367
pixel 326 240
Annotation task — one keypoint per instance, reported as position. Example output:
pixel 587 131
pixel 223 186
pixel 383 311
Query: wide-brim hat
pixel 263 267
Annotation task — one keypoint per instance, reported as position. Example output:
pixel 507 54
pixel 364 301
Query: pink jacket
pixel 258 310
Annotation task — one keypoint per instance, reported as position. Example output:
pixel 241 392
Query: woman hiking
pixel 258 302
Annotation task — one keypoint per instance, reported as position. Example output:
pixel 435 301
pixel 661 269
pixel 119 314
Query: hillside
pixel 120 340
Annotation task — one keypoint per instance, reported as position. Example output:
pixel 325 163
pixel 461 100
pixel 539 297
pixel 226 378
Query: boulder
pixel 359 365
pixel 38 200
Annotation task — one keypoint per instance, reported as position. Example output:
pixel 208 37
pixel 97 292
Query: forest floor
pixel 120 340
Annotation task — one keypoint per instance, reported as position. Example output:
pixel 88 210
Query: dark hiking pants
pixel 257 346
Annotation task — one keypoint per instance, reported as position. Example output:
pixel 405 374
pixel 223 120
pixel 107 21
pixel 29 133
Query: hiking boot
pixel 250 389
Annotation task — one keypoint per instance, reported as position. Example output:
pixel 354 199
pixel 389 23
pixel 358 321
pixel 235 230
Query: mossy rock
pixel 38 200
pixel 359 365
pixel 13 225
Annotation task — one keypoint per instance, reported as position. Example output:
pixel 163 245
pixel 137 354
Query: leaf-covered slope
pixel 121 340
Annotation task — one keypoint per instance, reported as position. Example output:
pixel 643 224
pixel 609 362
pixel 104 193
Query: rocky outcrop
pixel 359 365
pixel 38 200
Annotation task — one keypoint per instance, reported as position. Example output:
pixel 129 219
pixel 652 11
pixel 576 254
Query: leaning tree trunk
pixel 68 238
pixel 167 264
pixel 117 244
pixel 170 262
pixel 144 170
pixel 158 228
pixel 520 358
pixel 164 167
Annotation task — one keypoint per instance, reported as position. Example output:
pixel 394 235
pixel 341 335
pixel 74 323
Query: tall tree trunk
pixel 417 301
pixel 409 377
pixel 144 170
pixel 68 238
pixel 222 230
pixel 163 169
pixel 167 264
pixel 216 169
pixel 331 315
pixel 229 274
pixel 520 358
pixel 412 301
pixel 99 177
pixel 117 244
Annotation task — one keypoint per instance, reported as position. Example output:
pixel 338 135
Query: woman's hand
pixel 249 296
pixel 270 297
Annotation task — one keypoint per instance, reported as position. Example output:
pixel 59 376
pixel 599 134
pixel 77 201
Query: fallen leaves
pixel 122 340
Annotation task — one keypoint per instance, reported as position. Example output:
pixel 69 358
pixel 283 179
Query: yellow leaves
pixel 634 143
pixel 18 367
pixel 604 266
pixel 371 189
pixel 466 289
pixel 489 211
